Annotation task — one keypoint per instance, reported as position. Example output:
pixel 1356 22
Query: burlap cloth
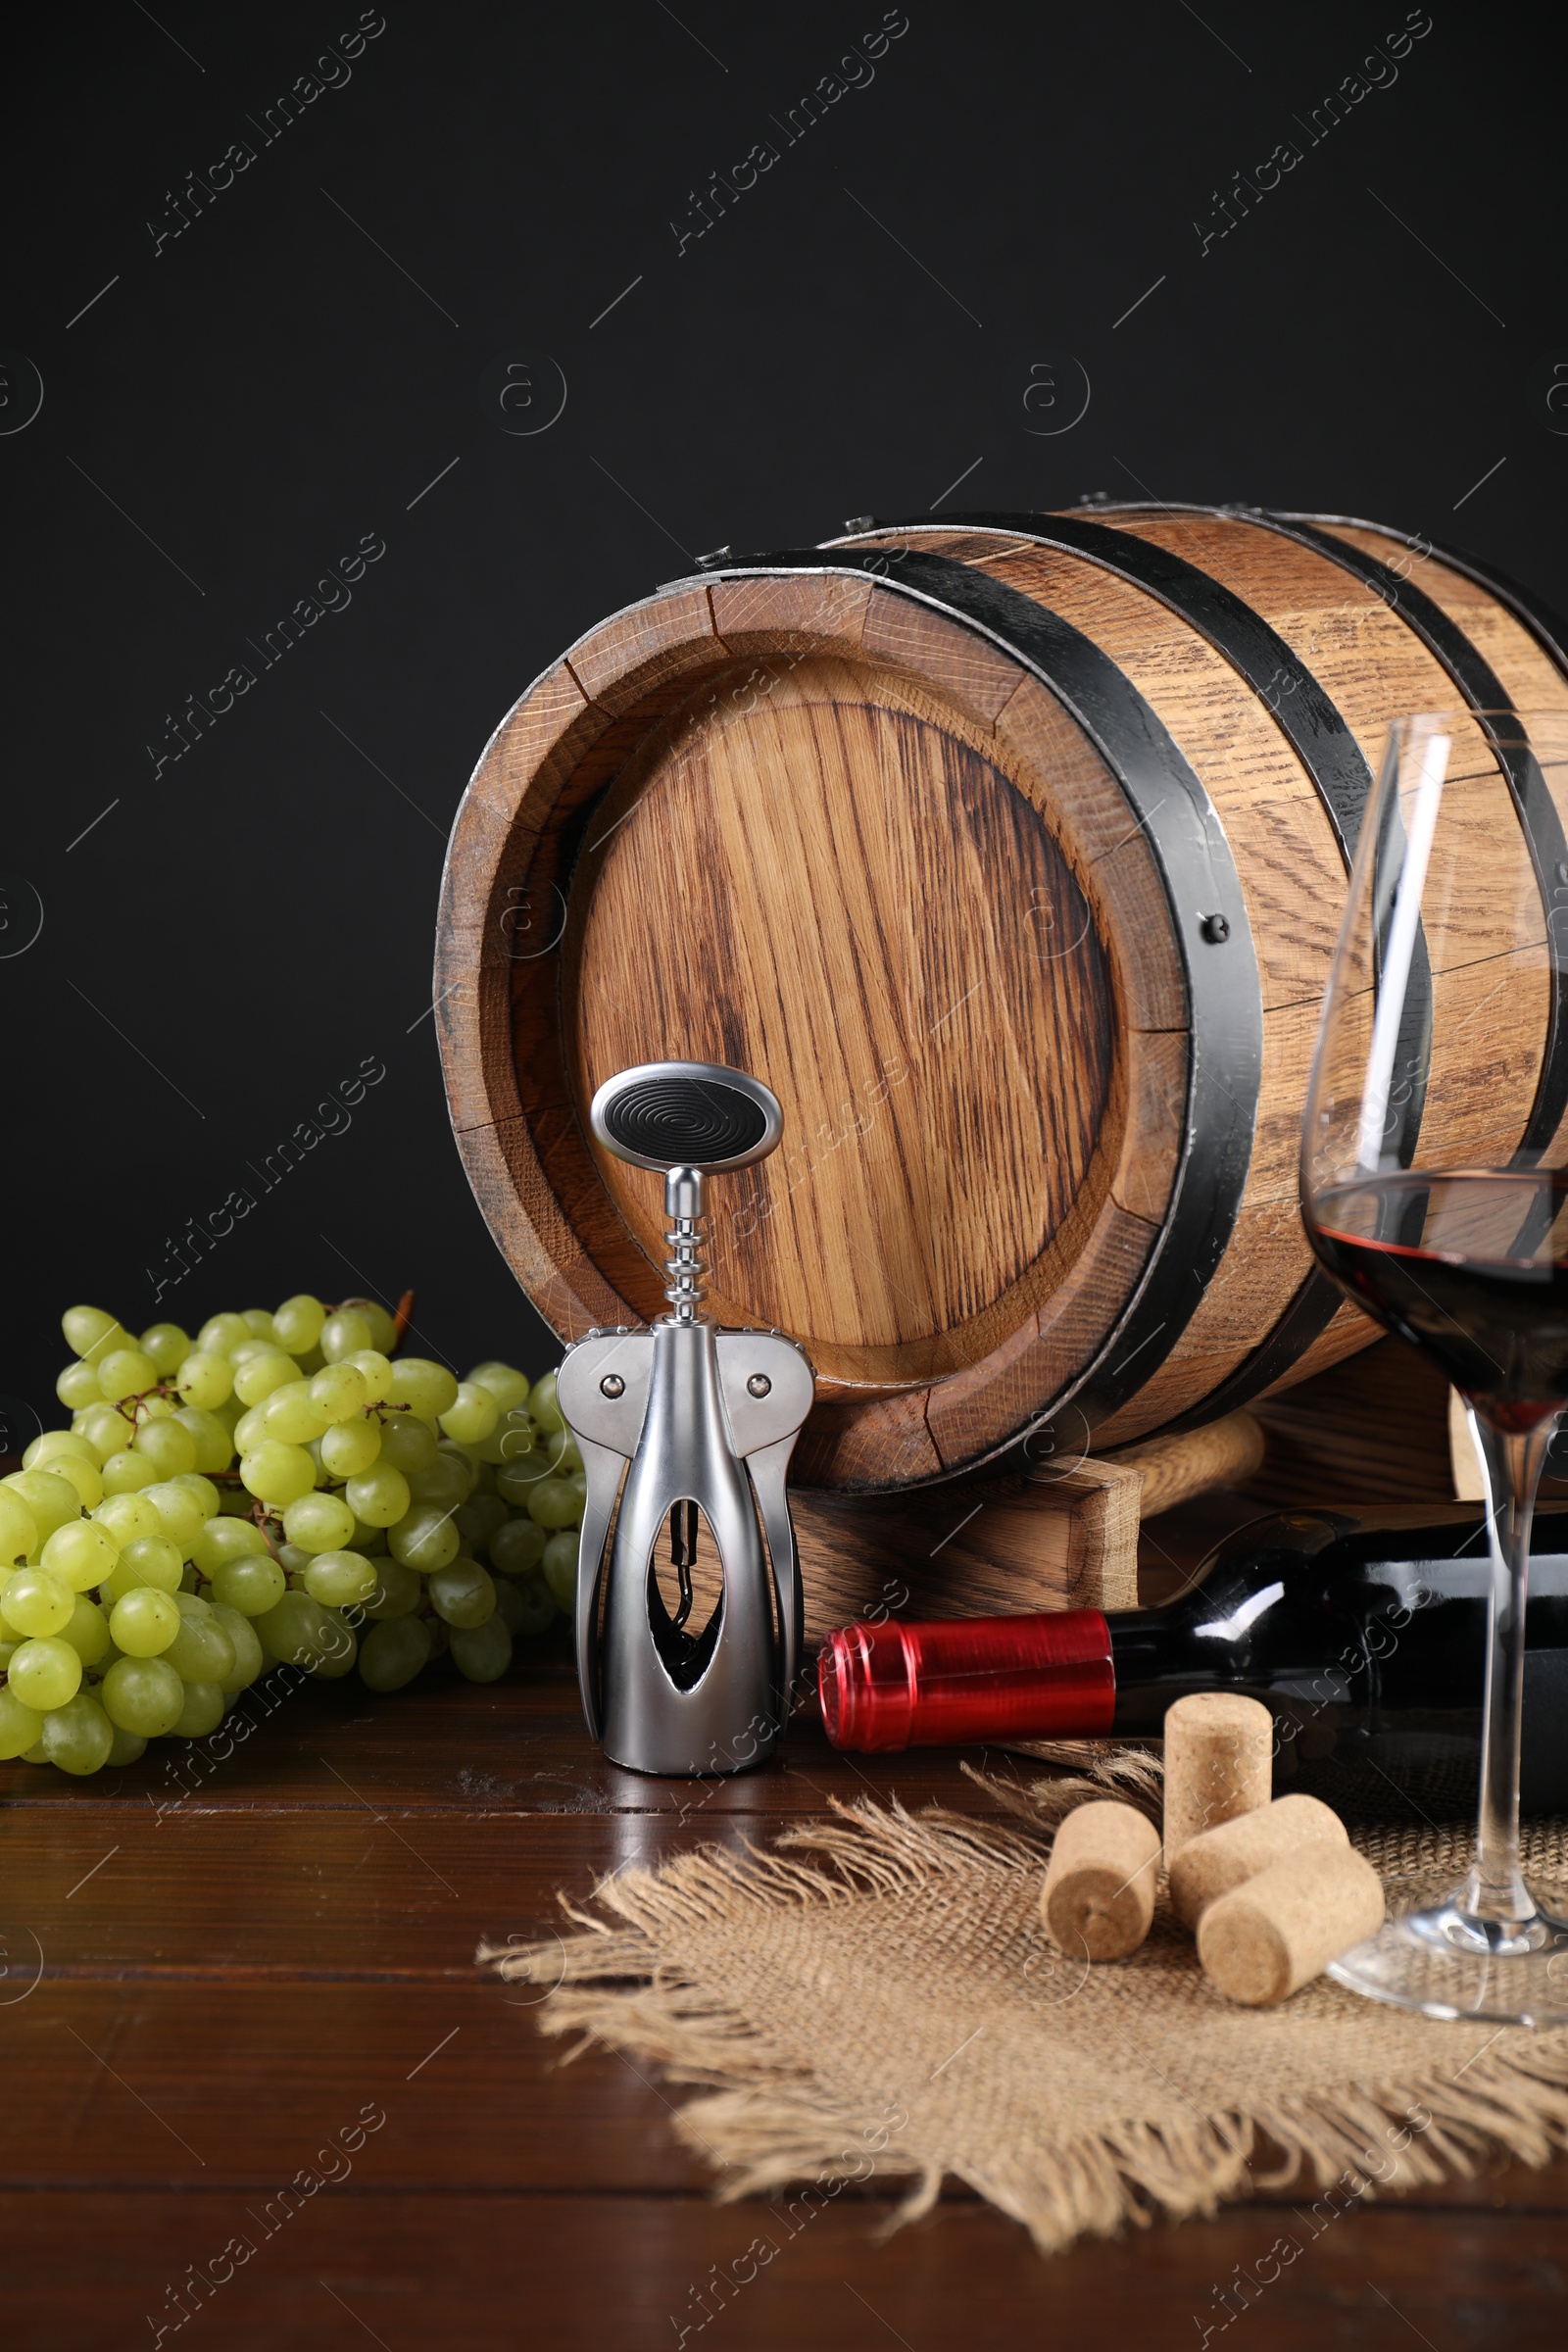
pixel 874 1997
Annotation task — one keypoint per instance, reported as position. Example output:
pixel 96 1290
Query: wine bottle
pixel 1363 1632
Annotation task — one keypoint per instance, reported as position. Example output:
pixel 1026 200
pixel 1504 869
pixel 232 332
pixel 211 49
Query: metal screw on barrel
pixel 687 1426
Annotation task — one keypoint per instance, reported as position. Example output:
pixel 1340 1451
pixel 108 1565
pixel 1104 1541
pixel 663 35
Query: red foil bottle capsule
pixel 966 1679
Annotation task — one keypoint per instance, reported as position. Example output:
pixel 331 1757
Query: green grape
pixel 481 1653
pixel 446 1482
pixel 472 1414
pixel 295 1560
pixel 105 1429
pixel 477 1519
pixel 377 1371
pixel 151 1408
pixel 260 1324
pixel 44 1673
pixel 147 1561
pixel 201 1651
pixel 512 1610
pixel 125 1372
pixel 251 1584
pixel 427 1389
pixel 260 1375
pixel 408 1443
pixel 338 1579
pixel 51 1443
pixel 85 1477
pixel 82 1553
pixel 248 1659
pixel 34 1603
pixel 144 1695
pixel 506 1383
pixel 180 1511
pixel 89 1631
pixel 79 1384
pixel 542 1405
pixel 205 1380
pixel 554 1503
pixel 559 1566
pixel 539 1603
pixel 125 1747
pixel 203 1711
pixel 517 1546
pixel 339 1392
pixel 394 1652
pixel 77 1736
pixel 516 1480
pixel 50 1498
pixel 277 1473
pixel 297 1323
pixel 227 1538
pixel 462 1593
pixel 167 1346
pixel 126 1473
pixel 319 1523
pixel 129 1516
pixel 221 1334
pixel 370 1540
pixel 20 1726
pixel 398 1590
pixel 342 1648
pixel 380 1497
pixel 292 1414
pixel 144 1622
pixel 561 1451
pixel 197 1483
pixel 383 1324
pixel 212 1439
pixel 90 1331
pixel 251 1428
pixel 168 1445
pixel 343 1334
pixel 423 1539
pixel 512 1439
pixel 297 1630
pixel 349 1447
pixel 19 1530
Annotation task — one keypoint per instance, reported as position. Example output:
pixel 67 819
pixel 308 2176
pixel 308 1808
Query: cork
pixel 1217 1763
pixel 1099 1895
pixel 1275 1933
pixel 1210 1864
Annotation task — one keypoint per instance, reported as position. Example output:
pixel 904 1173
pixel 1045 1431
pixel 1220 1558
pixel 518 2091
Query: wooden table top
pixel 209 1993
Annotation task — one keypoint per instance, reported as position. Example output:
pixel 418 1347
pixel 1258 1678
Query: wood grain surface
pixel 817 829
pixel 225 1983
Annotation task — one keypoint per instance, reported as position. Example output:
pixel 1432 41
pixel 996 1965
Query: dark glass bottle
pixel 1363 1632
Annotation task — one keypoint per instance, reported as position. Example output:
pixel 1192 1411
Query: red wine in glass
pixel 1428 1196
pixel 1469 1265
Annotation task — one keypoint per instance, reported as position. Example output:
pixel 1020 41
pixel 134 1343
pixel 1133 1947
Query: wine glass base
pixel 1439 1961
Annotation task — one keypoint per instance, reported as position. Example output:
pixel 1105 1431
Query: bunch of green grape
pixel 285 1489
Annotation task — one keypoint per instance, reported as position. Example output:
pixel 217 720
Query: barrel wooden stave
pixel 960 1366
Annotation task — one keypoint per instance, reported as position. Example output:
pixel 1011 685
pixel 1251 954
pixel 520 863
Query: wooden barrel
pixel 1010 851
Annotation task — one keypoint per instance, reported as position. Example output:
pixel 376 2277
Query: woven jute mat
pixel 874 1996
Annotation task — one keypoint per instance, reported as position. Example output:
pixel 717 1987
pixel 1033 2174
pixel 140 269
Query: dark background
pixel 245 926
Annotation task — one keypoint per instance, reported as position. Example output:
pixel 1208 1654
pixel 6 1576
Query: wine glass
pixel 1434 1193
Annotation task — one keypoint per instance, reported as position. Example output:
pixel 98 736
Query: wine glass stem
pixel 1513 1461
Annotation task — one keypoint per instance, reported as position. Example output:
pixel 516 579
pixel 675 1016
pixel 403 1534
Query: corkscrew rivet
pixel 611 1385
pixel 1215 928
pixel 758 1384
